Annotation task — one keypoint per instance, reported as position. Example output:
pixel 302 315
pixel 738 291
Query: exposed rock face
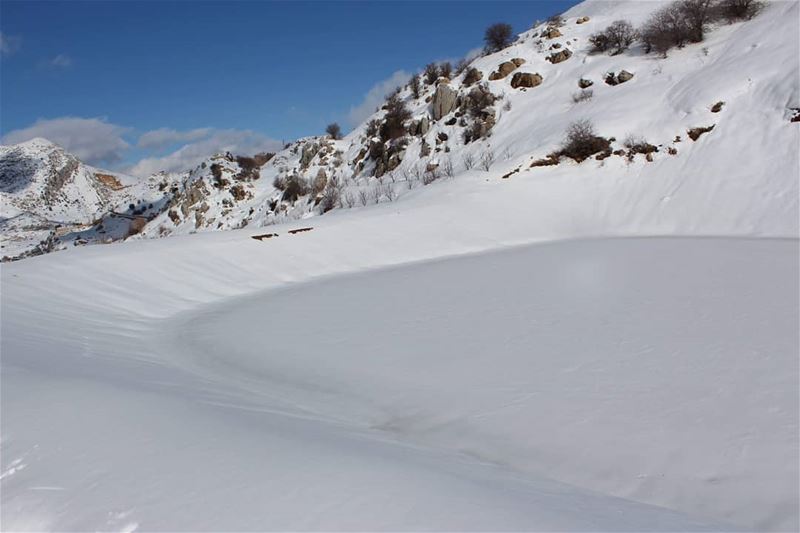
pixel 505 68
pixel 525 79
pixel 583 83
pixel 309 151
pixel 444 101
pixel 558 57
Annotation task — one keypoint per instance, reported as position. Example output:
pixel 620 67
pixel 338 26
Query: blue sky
pixel 99 75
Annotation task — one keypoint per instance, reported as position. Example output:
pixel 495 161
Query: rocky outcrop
pixel 558 57
pixel 308 153
pixel 582 20
pixel 583 83
pixel 615 79
pixel 551 32
pixel 505 68
pixel 525 79
pixel 444 101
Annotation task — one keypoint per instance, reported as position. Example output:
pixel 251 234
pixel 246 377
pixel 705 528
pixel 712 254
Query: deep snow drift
pixel 450 395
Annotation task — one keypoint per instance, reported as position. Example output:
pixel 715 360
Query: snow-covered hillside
pixel 740 84
pixel 609 345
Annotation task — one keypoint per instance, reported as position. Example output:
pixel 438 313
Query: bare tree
pixel 431 73
pixel 362 197
pixel 497 37
pixel 334 131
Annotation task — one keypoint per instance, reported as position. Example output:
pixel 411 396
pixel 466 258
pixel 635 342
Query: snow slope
pixel 577 382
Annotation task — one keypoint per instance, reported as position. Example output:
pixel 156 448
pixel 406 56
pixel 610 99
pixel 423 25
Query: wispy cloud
pixel 212 141
pixel 375 97
pixel 60 61
pixel 93 140
pixel 163 137
pixel 9 44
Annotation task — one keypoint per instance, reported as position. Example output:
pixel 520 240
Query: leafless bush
pixel 349 200
pixel 447 168
pixel 582 96
pixel 681 22
pixel 415 86
pixel 446 70
pixel 581 141
pixel 469 161
pixel 330 199
pixel 733 10
pixel 431 174
pixel 389 192
pixel 507 105
pixel 487 159
pixel 363 199
pixel 417 171
pixel 431 73
pixel 376 193
pixel 507 153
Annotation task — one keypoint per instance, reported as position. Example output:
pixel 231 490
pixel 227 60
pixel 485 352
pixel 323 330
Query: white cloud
pixel 244 142
pixel 93 140
pixel 9 44
pixel 60 61
pixel 163 137
pixel 375 97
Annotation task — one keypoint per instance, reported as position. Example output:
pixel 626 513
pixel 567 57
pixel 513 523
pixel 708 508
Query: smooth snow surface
pixel 628 384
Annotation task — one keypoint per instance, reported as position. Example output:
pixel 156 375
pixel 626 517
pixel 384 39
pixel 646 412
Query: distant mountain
pixel 710 130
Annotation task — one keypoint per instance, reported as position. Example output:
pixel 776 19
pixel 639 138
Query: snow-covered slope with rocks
pixel 741 84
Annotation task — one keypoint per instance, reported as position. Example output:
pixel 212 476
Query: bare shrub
pixel 431 73
pixel 487 159
pixel 279 183
pixel 375 194
pixel 621 35
pixel 349 200
pixel 397 114
pixel 497 37
pixel 330 198
pixel 581 141
pixel 582 96
pixel 469 161
pixel 389 192
pixel 461 66
pixel 334 131
pixel 415 86
pixel 446 70
pixel 447 168
pixel 363 199
pixel 372 127
pixel 599 42
pixel 733 10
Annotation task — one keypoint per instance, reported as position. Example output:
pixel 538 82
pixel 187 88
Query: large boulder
pixel 444 101
pixel 551 32
pixel 505 68
pixel 583 83
pixel 582 20
pixel 624 76
pixel 558 57
pixel 525 79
